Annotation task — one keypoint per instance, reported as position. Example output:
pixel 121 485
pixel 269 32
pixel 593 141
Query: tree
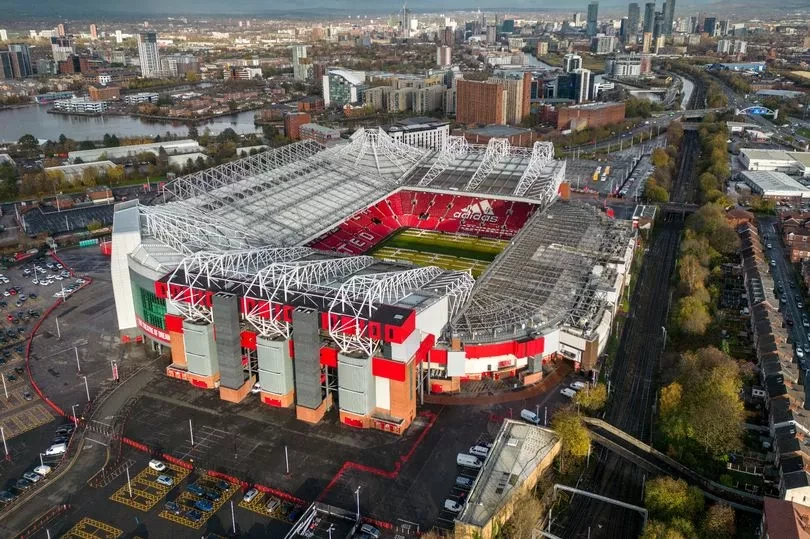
pixel 94 225
pixel 87 145
pixel 660 530
pixel 592 399
pixel 572 432
pixel 655 193
pixel 28 141
pixel 524 518
pixel 692 273
pixel 115 174
pixel 660 158
pixel 692 316
pixel 192 132
pixel 90 176
pixel 719 522
pixel 667 498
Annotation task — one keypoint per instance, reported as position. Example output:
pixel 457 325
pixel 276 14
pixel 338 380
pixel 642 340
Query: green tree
pixel 692 316
pixel 572 432
pixel 667 498
pixel 87 145
pixel 592 399
pixel 654 193
pixel 692 273
pixel 28 141
pixel 661 530
pixel 718 523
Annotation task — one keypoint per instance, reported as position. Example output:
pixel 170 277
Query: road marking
pixel 96 441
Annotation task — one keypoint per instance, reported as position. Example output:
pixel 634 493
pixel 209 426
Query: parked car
pixel 195 489
pixel 23 484
pixel 578 386
pixel 32 476
pixel 6 496
pixel 172 507
pixel 250 495
pixel 370 530
pixel 223 485
pixel 165 480
pixel 464 482
pixel 193 515
pixel 157 465
pixel 568 392
pixel 212 494
pixel 66 429
pixel 56 449
pixel 204 505
pixel 42 470
pixel 272 505
pixel 479 451
pixel 452 506
pixel 529 416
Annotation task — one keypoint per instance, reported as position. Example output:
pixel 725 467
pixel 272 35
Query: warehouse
pixel 777 160
pixel 173 147
pixel 774 185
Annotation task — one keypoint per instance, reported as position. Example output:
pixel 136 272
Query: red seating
pixel 445 212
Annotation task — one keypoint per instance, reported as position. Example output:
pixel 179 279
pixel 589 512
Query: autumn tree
pixel 692 315
pixel 572 432
pixel 592 399
pixel 661 530
pixel 692 273
pixel 524 518
pixel 667 498
pixel 718 523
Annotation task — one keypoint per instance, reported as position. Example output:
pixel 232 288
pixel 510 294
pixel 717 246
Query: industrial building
pixel 257 271
pixel 172 147
pixel 774 185
pixel 797 163
pixel 583 116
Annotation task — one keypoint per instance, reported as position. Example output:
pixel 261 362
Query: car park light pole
pixel 86 388
pixel 41 461
pixel 233 518
pixel 73 409
pixel 129 483
pixel 58 333
pixel 3 435
pixel 356 492
pixel 78 366
pixel 5 390
pixel 287 460
pixel 190 432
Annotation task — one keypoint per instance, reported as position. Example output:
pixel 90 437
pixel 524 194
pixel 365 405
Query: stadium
pixel 360 275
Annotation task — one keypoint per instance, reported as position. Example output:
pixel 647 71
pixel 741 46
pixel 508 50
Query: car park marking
pixel 146 492
pixel 25 420
pixel 88 528
pixel 183 500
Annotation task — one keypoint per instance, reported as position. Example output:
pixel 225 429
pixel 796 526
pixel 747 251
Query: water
pixel 531 61
pixel 36 121
pixel 688 88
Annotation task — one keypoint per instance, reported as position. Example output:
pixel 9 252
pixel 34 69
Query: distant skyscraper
pixel 710 25
pixel 301 65
pixel 119 36
pixel 658 25
pixel 444 56
pixel 649 16
pixel 149 54
pixel 60 30
pixel 492 35
pixel 669 16
pixel 646 42
pixel 3 35
pixel 633 17
pixel 61 48
pixel 593 15
pixel 93 31
pixel 21 60
pixel 405 22
pixel 624 28
pixel 577 18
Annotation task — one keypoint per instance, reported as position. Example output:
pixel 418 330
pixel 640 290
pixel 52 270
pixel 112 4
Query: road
pixel 785 275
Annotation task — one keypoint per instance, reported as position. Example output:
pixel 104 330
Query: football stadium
pixel 356 276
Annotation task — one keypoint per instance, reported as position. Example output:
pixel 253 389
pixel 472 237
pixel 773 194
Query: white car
pixel 157 465
pixel 42 470
pixel 452 506
pixel 578 386
pixel 568 392
pixel 32 476
pixel 799 353
pixel 35 281
pixel 58 277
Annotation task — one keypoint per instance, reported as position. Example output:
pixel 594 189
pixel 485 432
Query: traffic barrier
pixel 229 478
pixel 279 494
pixel 43 519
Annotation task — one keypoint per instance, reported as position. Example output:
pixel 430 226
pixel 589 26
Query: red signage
pixel 152 331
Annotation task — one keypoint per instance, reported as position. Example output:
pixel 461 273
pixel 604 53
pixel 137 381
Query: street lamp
pixel 86 388
pixel 73 410
pixel 357 494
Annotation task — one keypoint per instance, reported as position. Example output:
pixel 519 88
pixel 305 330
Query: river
pixel 36 121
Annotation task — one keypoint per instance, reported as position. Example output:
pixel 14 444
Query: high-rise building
pixel 646 42
pixel 6 72
pixel 593 15
pixel 669 16
pixel 93 31
pixel 405 22
pixel 649 16
pixel 508 26
pixel 302 68
pixel 149 54
pixel 61 48
pixel 577 19
pixel 444 56
pixel 479 102
pixel 448 37
pixel 710 25
pixel 119 36
pixel 571 62
pixel 658 25
pixel 604 44
pixel 577 86
pixel 342 86
pixel 518 94
pixel 3 35
pixel 21 60
pixel 492 35
pixel 60 30
pixel 293 122
pixel 624 29
pixel 633 17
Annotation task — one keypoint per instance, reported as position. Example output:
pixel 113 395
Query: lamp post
pixel 357 495
pixel 86 388
pixel 73 410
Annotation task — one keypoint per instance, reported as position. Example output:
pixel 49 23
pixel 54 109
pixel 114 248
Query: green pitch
pixel 448 251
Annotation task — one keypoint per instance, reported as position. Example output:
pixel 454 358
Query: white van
pixel 452 506
pixel 463 459
pixel 56 449
pixel 531 417
pixel 479 451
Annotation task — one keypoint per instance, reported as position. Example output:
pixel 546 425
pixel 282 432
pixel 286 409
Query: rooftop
pixel 321 521
pixel 775 183
pixel 518 450
pixel 760 154
pixel 495 130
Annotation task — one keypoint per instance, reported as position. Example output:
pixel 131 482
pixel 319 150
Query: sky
pixel 85 8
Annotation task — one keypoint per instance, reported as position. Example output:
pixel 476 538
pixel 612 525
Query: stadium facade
pixel 257 271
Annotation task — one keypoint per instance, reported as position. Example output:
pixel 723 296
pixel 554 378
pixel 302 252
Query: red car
pixel 12 292
pixel 9 318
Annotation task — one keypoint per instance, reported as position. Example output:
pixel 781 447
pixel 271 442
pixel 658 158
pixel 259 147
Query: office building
pixel 628 65
pixel 20 60
pixel 710 25
pixel 141 97
pixel 479 102
pixel 518 90
pixel 669 16
pixel 571 62
pixel 3 35
pixel 444 56
pixel 577 86
pixel 104 93
pixel 179 64
pixel 646 42
pixel 420 132
pixel 6 70
pixel 492 35
pixel 633 17
pixel 119 36
pixel 589 115
pixel 93 31
pixel 593 13
pixel 293 122
pixel 577 19
pixel 81 105
pixel 61 48
pixel 658 25
pixel 342 86
pixel 149 54
pixel 624 29
pixel 60 30
pixel 732 46
pixel 604 44
pixel 649 17
pixel 302 68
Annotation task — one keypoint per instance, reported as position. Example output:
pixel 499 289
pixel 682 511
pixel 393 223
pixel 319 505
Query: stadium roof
pixel 556 271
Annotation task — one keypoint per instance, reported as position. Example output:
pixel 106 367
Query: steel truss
pixel 542 156
pixel 210 179
pixel 497 150
pixel 379 143
pixel 189 230
pixel 453 149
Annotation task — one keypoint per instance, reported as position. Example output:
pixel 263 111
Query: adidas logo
pixel 478 211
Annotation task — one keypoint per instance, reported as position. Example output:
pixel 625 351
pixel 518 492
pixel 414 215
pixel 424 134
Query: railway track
pixel 633 376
